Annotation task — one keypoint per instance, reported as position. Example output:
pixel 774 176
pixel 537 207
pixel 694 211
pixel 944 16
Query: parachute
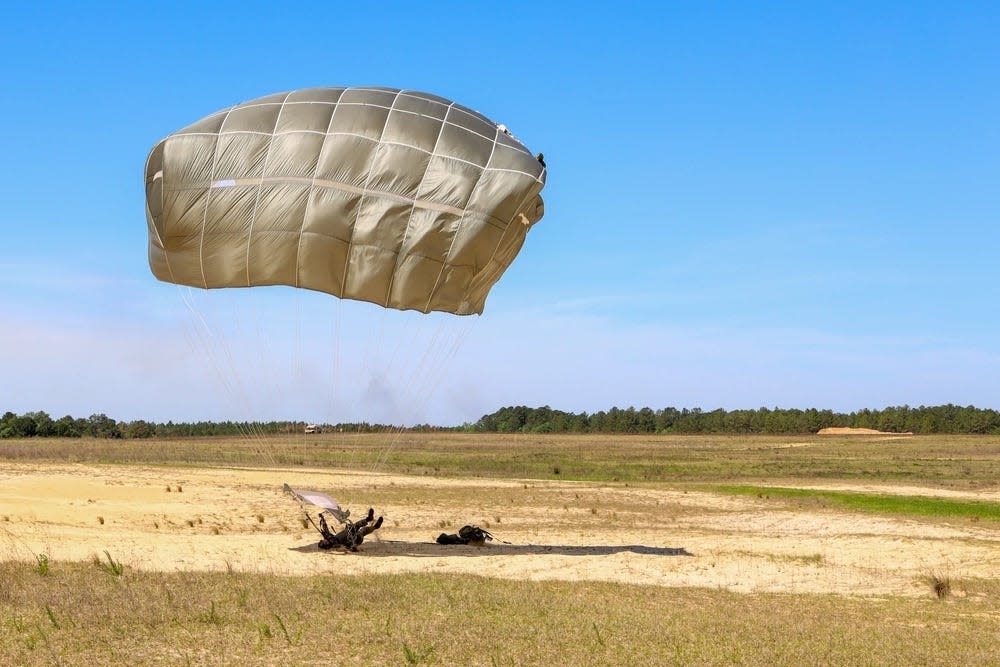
pixel 394 197
pixel 321 500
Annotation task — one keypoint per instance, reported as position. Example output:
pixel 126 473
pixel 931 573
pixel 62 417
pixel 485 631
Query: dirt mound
pixel 844 430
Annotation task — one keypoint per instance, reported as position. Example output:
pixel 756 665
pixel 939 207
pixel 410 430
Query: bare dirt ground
pixel 847 430
pixel 216 518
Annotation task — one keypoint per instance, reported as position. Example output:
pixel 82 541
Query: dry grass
pixel 946 461
pixel 84 615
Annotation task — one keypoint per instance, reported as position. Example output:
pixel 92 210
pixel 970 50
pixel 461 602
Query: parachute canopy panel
pixel 396 197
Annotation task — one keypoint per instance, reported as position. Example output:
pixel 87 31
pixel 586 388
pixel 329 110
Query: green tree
pixel 102 426
pixel 139 429
pixel 44 426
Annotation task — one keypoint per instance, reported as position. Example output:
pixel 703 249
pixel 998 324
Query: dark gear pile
pixel 473 535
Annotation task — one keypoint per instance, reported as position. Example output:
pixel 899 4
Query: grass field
pixel 949 461
pixel 792 550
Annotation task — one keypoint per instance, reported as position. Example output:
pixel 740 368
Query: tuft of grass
pixel 42 564
pixel 597 634
pixel 211 617
pixel 415 657
pixel 284 628
pixel 113 567
pixel 941 585
pixel 52 617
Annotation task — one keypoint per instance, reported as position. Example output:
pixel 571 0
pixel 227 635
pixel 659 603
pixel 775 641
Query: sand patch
pixel 844 430
pixel 239 518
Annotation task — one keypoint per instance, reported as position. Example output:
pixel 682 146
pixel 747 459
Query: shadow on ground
pixel 384 548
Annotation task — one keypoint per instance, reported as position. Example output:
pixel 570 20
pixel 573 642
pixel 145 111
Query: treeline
pixel 40 424
pixel 937 419
pixel 522 419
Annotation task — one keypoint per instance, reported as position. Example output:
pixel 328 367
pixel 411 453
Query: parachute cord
pixel 254 425
pixel 414 377
pixel 254 433
pixel 419 378
pixel 215 354
pixel 211 344
pixel 425 390
pixel 366 322
pixel 335 388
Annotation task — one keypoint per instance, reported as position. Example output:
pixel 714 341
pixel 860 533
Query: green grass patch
pixel 927 506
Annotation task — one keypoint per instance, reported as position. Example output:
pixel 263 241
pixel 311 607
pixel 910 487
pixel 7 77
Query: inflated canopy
pixel 396 197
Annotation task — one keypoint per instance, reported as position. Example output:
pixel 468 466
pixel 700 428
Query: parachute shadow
pixel 382 548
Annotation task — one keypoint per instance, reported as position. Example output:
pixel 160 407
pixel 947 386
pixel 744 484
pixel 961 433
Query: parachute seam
pixel 503 236
pixel 461 225
pixel 402 93
pixel 149 215
pixel 361 201
pixel 208 199
pixel 413 207
pixel 312 186
pixel 322 182
pixel 537 177
pixel 460 127
pixel 260 186
pixel 490 219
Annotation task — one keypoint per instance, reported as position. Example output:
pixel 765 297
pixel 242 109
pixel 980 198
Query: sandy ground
pixel 847 430
pixel 214 519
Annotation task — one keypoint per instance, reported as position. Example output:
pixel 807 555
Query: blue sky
pixel 747 205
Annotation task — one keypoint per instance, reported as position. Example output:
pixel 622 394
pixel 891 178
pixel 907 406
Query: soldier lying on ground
pixel 352 535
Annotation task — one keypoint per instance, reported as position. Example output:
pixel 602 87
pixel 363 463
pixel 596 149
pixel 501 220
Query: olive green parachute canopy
pixel 396 197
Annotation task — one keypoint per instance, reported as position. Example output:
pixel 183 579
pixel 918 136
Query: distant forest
pixel 40 424
pixel 521 419
pixel 938 419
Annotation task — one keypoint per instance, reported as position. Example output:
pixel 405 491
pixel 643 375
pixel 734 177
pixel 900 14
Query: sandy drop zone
pixel 224 518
